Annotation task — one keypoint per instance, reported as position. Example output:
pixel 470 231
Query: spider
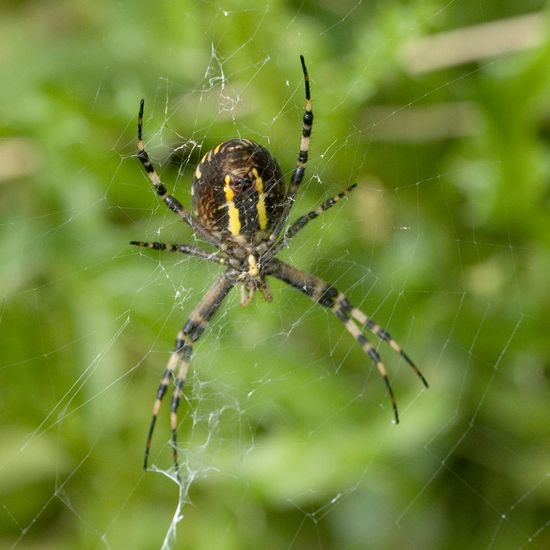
pixel 240 206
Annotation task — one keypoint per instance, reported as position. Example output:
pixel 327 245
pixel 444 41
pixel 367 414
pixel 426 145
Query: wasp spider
pixel 240 206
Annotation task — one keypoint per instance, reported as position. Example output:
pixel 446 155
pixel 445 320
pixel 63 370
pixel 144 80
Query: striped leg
pixel 178 364
pixel 366 322
pixel 171 202
pixel 298 173
pixel 302 221
pixel 326 295
pixel 183 249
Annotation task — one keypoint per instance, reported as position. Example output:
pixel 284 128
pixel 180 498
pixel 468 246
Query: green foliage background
pixel 286 436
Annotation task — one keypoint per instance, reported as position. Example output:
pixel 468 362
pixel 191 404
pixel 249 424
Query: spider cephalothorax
pixel 241 204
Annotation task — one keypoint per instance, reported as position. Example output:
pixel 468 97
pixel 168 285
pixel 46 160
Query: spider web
pixel 285 432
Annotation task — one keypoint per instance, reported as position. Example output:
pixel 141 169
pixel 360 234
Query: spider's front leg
pixel 353 318
pixel 178 364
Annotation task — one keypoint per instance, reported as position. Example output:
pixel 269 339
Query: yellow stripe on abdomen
pixel 260 205
pixel 232 210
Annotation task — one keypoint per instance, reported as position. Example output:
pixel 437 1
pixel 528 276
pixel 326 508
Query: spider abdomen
pixel 238 190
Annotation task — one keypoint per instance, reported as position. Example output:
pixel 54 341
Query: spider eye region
pixel 238 190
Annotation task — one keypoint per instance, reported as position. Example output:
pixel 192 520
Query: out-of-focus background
pixel 441 112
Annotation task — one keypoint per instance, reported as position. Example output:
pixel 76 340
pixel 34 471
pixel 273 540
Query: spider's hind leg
pixel 171 202
pixel 299 170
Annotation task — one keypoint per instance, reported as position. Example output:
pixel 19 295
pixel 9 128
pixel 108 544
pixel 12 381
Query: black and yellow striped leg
pixel 328 296
pixel 298 173
pixel 171 202
pixel 178 364
pixel 182 249
pixel 302 221
pixel 366 322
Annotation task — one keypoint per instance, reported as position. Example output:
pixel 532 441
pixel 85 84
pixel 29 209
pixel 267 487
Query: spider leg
pixel 178 363
pixel 328 296
pixel 302 221
pixel 183 249
pixel 171 202
pixel 366 322
pixel 298 173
